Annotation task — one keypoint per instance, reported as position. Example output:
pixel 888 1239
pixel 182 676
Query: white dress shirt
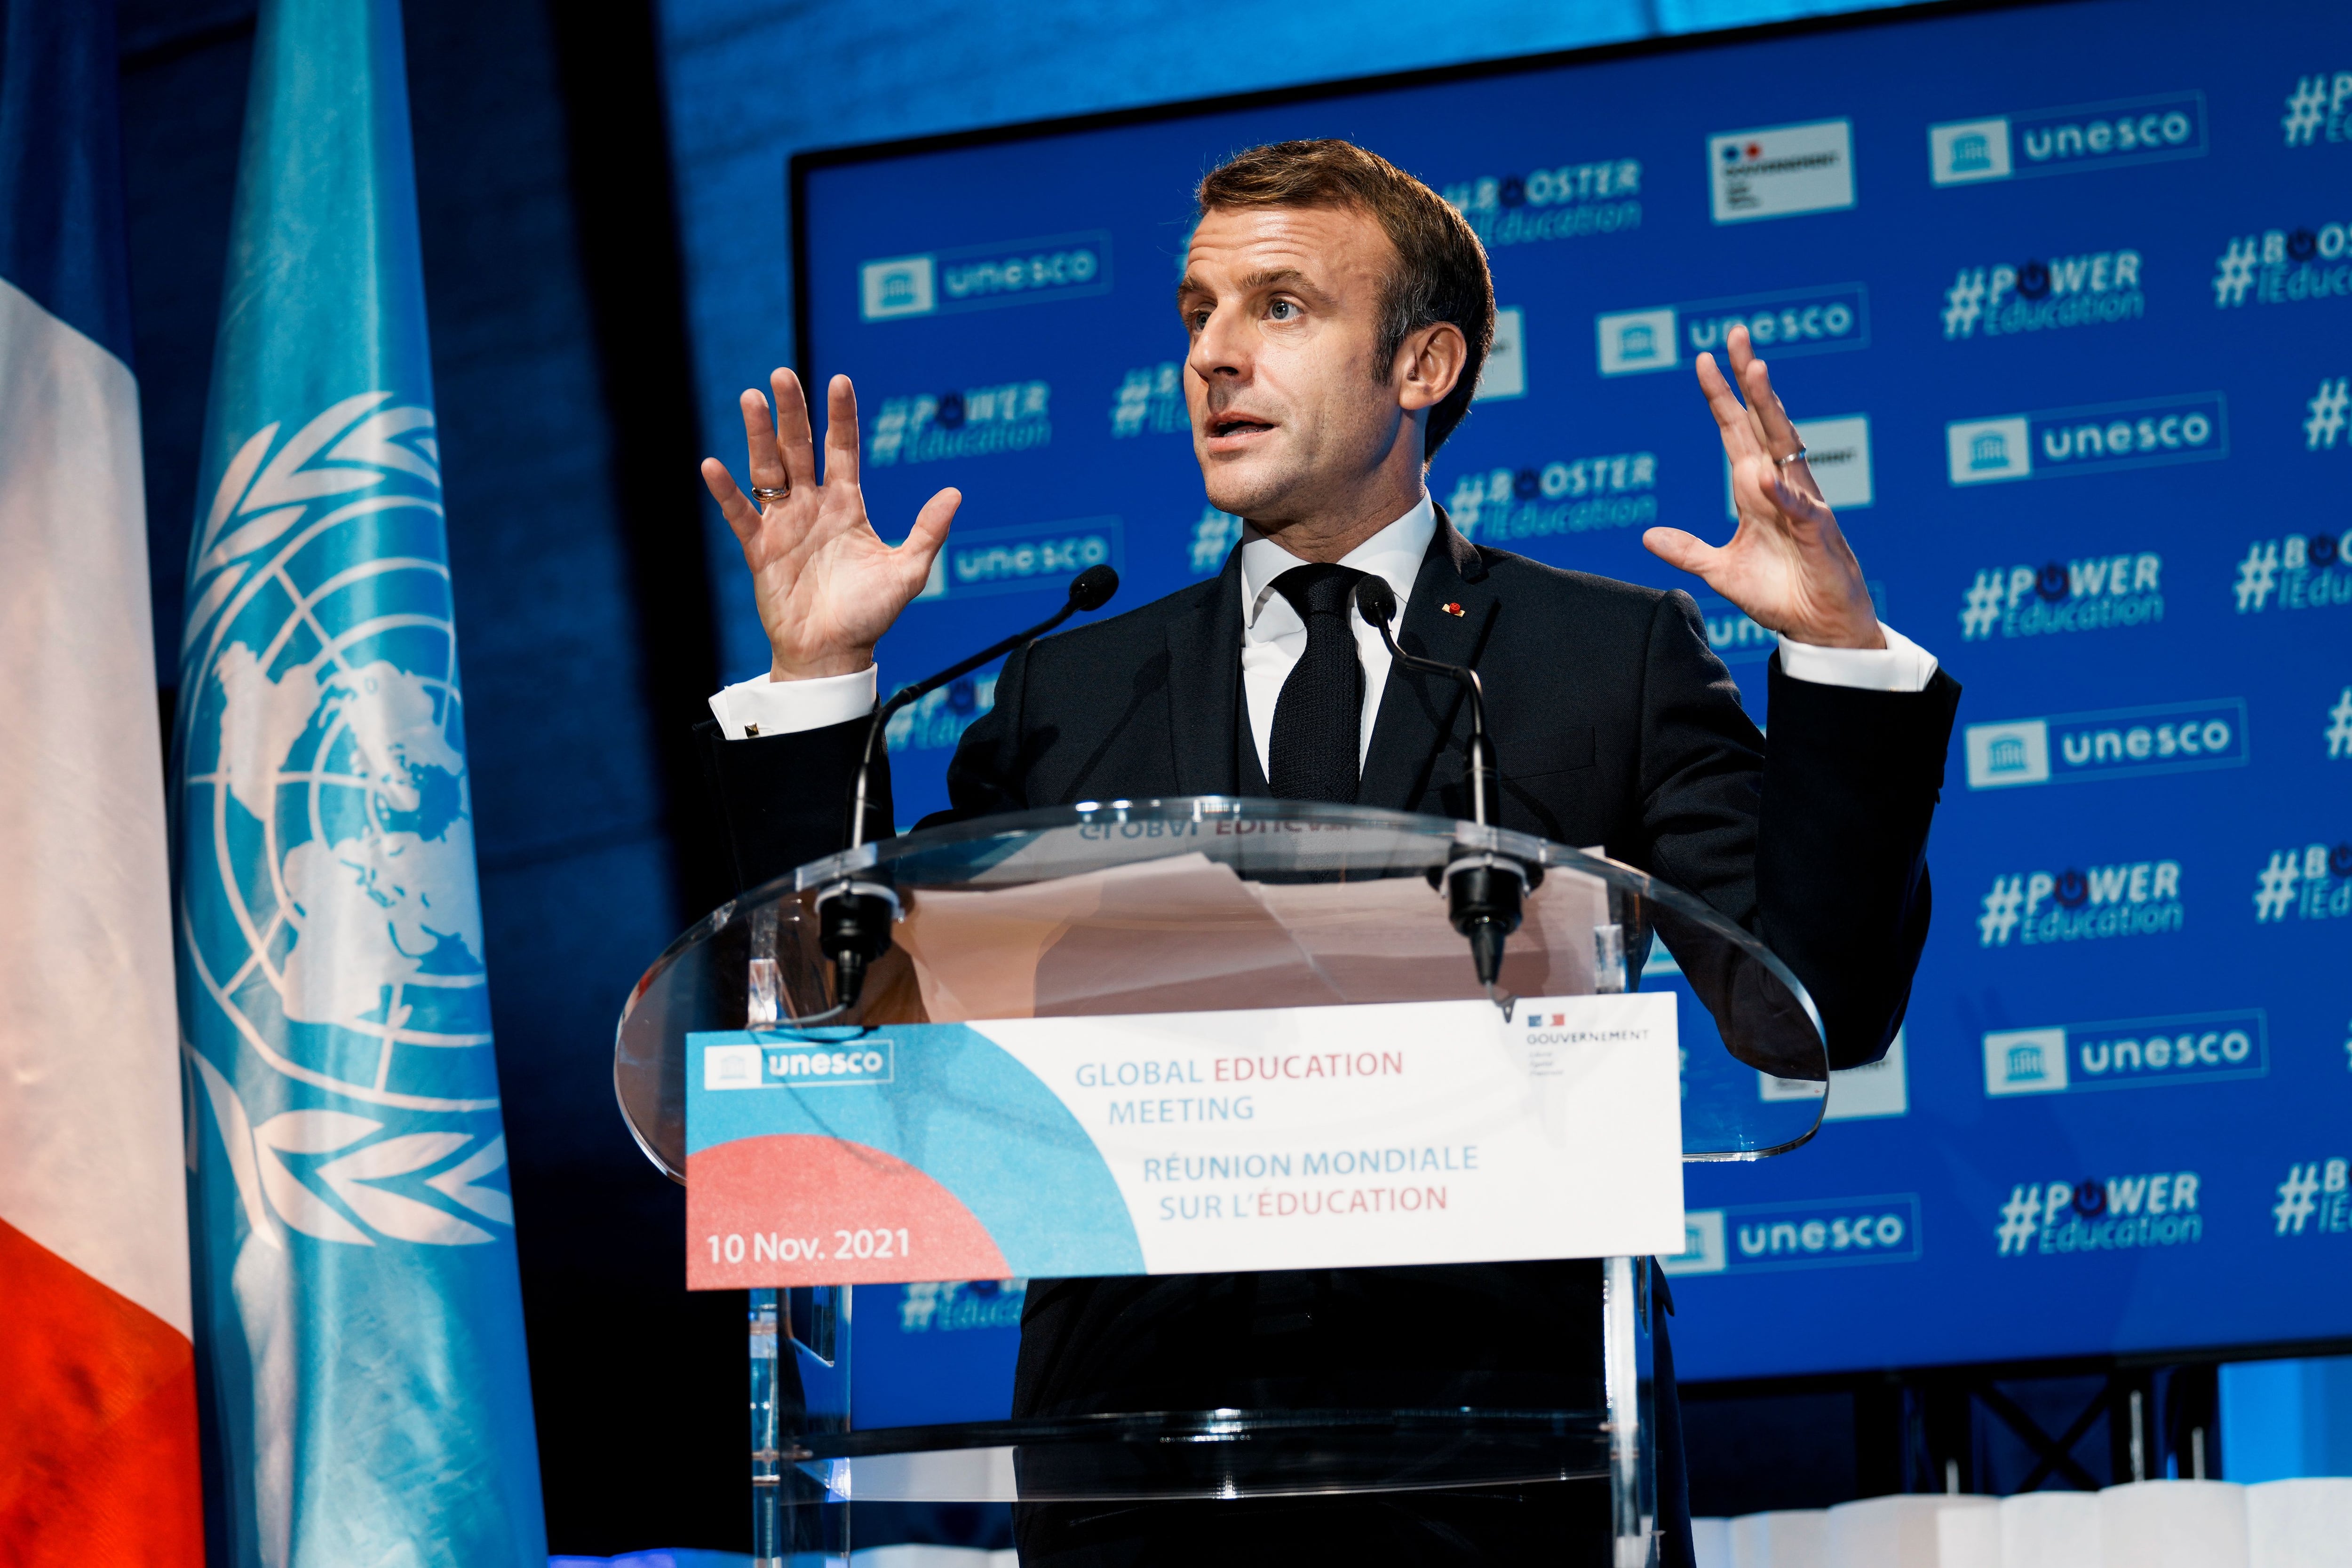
pixel 1274 638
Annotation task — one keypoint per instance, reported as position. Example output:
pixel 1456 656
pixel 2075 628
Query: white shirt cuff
pixel 761 706
pixel 1901 666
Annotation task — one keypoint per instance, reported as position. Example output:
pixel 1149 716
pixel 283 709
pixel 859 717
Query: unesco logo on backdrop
pixel 2095 594
pixel 977 277
pixel 1780 170
pixel 2127 1054
pixel 2080 748
pixel 1574 496
pixel 2319 110
pixel 1010 561
pixel 2002 300
pixel 2284 267
pixel 1788 321
pixel 2301 571
pixel 1818 1233
pixel 812 1066
pixel 2313 883
pixel 2113 1214
pixel 2138 898
pixel 1568 201
pixel 2098 438
pixel 2073 140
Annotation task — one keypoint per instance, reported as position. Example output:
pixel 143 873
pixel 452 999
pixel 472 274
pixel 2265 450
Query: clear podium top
pixel 1212 903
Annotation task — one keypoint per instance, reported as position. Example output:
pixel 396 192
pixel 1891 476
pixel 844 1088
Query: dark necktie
pixel 1319 719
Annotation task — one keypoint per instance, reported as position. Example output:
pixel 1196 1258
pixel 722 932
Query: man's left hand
pixel 1788 564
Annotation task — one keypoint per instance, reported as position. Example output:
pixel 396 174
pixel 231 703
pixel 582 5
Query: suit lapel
pixel 1205 679
pixel 1417 710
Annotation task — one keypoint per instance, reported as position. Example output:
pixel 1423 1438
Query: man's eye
pixel 1282 310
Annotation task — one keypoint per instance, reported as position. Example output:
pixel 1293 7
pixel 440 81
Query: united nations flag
pixel 359 1324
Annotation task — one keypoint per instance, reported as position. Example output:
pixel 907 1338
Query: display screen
pixel 2061 299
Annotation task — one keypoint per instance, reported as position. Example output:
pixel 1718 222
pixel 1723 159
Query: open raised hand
pixel 1788 564
pixel 826 585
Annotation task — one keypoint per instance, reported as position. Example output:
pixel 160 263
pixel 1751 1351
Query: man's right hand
pixel 826 585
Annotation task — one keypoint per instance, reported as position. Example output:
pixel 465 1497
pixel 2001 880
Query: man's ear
pixel 1428 365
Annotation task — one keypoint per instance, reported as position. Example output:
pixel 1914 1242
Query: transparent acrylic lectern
pixel 1353 893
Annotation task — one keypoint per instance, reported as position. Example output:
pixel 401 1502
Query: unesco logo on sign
pixel 976 277
pixel 1013 560
pixel 2127 1054
pixel 2067 140
pixel 1821 1233
pixel 898 287
pixel 2077 748
pixel 2100 437
pixel 801 1065
pixel 1829 319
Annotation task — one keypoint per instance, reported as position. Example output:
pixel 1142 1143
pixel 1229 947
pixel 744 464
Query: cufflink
pixel 749 730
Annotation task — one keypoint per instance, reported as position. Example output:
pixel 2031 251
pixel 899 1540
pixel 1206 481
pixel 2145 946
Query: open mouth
pixel 1242 426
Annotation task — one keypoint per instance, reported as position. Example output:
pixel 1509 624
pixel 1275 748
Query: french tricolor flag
pixel 98 1405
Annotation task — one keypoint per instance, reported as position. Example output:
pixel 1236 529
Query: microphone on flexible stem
pixel 1483 891
pixel 854 914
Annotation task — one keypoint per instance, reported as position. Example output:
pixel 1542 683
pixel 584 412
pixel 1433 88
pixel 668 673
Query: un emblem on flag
pixel 329 931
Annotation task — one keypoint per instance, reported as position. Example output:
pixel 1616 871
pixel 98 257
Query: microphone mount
pixel 1484 891
pixel 854 912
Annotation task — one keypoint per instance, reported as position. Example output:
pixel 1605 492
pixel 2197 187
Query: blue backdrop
pixel 2066 298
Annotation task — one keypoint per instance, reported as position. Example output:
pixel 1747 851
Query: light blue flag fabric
pixel 359 1321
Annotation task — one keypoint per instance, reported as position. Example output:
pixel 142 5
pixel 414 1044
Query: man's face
pixel 1282 304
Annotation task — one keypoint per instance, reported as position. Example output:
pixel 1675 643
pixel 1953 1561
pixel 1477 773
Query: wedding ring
pixel 1797 455
pixel 762 494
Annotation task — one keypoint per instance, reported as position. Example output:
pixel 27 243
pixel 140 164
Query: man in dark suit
pixel 1339 312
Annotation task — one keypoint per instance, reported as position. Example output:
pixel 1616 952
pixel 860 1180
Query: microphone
pixel 1483 891
pixel 854 914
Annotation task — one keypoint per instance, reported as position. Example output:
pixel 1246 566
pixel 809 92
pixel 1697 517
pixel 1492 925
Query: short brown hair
pixel 1442 274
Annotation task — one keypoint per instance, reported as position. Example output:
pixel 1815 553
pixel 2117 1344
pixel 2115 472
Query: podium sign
pixel 1316 1137
pixel 1198 1035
